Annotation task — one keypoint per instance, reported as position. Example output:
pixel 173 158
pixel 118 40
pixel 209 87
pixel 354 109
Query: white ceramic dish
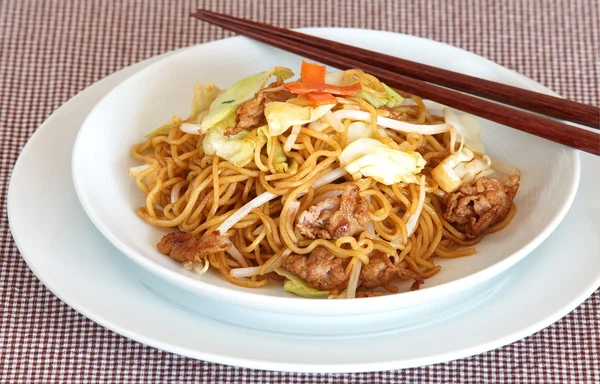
pixel 108 289
pixel 149 98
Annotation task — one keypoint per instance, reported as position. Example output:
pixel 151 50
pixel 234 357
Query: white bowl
pixel 101 158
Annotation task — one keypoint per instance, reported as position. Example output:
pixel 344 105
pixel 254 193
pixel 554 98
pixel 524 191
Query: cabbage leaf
pixel 237 149
pixel 391 99
pixel 242 91
pixel 164 129
pixel 204 95
pixel 369 157
pixel 280 160
pixel 468 127
pixel 282 116
pixel 299 287
pixel 462 167
pixel 358 130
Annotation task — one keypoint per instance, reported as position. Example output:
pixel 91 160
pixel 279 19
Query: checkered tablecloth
pixel 52 49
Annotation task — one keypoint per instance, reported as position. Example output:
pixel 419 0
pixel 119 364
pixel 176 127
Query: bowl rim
pixel 297 305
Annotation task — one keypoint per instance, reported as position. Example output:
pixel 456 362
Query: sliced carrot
pixel 321 98
pixel 312 73
pixel 303 87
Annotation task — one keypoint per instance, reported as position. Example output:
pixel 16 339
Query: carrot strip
pixel 312 73
pixel 321 98
pixel 302 87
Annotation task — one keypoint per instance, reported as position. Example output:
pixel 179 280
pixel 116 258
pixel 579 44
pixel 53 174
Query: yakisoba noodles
pixel 335 184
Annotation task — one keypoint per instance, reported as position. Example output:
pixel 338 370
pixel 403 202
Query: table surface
pixel 51 50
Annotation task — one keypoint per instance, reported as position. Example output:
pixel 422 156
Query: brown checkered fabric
pixel 52 49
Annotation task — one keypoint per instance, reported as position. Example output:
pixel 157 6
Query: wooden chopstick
pixel 528 122
pixel 533 101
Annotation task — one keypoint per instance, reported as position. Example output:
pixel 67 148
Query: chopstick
pixel 550 129
pixel 533 101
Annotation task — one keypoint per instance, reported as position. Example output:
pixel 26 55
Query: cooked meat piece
pixel 311 222
pixel 353 215
pixel 336 217
pixel 213 243
pixel 381 270
pixel 378 272
pixel 475 208
pixel 251 113
pixel 367 294
pixel 182 246
pixel 324 271
pixel 321 269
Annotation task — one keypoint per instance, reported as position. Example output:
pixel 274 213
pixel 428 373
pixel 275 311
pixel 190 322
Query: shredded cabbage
pixel 165 128
pixel 191 128
pixel 242 91
pixel 369 157
pixel 333 121
pixel 391 98
pixel 280 160
pixel 468 127
pixel 504 168
pixel 299 287
pixel 462 167
pixel 334 78
pixel 204 95
pixel 282 116
pixel 358 130
pixel 237 149
pixel 291 139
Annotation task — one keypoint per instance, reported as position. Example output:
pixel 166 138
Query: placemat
pixel 50 50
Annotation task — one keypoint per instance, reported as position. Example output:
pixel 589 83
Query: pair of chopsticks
pixel 421 80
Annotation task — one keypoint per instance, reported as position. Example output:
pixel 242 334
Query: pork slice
pixel 475 208
pixel 251 113
pixel 182 246
pixel 321 269
pixel 336 217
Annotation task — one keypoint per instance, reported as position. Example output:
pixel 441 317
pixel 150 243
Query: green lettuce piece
pixel 242 91
pixel 391 99
pixel 299 287
pixel 369 157
pixel 237 149
pixel 282 116
pixel 280 160
pixel 175 122
pixel 204 95
pixel 284 166
pixel 393 96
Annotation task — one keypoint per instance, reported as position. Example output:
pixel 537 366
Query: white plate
pixel 61 239
pixel 550 172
